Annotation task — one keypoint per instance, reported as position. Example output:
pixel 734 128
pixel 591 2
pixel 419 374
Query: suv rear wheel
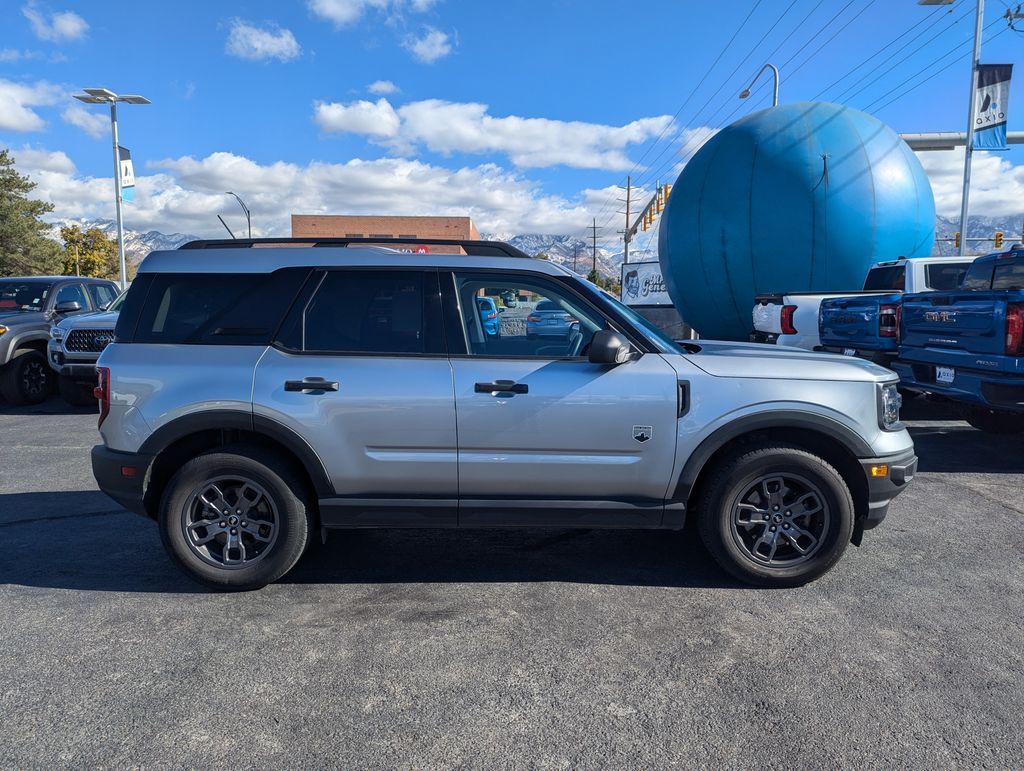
pixel 26 378
pixel 235 518
pixel 775 515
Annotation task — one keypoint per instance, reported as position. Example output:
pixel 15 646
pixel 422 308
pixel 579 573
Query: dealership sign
pixel 643 284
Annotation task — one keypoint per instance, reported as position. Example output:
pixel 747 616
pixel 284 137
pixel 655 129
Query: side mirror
pixel 104 306
pixel 609 347
pixel 68 306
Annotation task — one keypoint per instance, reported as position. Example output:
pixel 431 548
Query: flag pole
pixel 969 149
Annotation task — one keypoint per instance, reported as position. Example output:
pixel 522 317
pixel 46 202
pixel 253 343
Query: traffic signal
pixel 999 239
pixel 956 239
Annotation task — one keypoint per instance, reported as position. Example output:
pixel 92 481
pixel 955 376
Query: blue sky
pixel 522 113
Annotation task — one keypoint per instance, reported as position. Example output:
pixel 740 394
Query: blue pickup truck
pixel 866 323
pixel 968 344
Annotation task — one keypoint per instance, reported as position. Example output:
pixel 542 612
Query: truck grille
pixel 88 340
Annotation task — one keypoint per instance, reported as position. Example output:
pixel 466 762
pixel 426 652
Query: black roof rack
pixel 471 247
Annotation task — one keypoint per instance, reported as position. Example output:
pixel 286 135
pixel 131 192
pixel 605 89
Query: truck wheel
pixel 75 392
pixel 775 515
pixel 993 421
pixel 26 378
pixel 235 518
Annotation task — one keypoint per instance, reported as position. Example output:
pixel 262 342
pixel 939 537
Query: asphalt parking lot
pixel 527 648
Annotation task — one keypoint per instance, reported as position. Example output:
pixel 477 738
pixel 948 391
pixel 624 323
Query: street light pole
pixel 248 217
pixel 775 88
pixel 106 96
pixel 969 148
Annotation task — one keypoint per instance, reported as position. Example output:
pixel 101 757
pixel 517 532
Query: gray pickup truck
pixel 75 344
pixel 28 307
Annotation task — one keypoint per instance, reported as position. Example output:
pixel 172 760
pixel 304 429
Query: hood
pixel 16 318
pixel 784 362
pixel 100 320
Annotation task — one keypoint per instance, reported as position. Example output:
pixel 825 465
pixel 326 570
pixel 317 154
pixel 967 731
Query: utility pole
pixel 969 149
pixel 625 233
pixel 594 242
pixel 575 254
pixel 78 267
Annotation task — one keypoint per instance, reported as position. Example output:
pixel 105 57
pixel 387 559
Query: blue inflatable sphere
pixel 799 197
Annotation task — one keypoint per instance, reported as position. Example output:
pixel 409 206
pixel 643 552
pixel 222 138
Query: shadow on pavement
pixel 81 540
pixel 962 449
pixel 52 406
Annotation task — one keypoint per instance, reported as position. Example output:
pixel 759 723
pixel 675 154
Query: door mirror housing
pixel 68 306
pixel 609 347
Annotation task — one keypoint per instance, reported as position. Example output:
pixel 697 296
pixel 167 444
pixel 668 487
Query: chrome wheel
pixel 230 522
pixel 780 520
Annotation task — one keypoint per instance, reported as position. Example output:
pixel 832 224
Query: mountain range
pixel 577 253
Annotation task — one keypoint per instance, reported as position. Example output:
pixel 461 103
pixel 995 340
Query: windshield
pixel 118 302
pixel 23 295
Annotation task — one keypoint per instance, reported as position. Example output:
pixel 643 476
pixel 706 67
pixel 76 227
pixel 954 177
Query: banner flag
pixel 124 157
pixel 990 106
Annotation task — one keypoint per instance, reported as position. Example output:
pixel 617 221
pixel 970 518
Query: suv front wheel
pixel 235 518
pixel 775 515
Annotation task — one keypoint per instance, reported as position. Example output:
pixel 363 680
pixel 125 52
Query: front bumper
pixel 109 468
pixel 884 487
pixel 990 389
pixel 78 369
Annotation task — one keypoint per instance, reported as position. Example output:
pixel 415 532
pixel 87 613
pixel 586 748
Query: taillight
pixel 102 393
pixel 492 315
pixel 887 321
pixel 787 320
pixel 1014 329
pixel 533 318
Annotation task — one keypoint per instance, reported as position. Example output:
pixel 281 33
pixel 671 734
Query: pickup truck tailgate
pixel 964 329
pixel 853 322
pixel 767 316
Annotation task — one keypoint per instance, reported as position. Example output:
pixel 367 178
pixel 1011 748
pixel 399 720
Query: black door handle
pixel 502 386
pixel 311 384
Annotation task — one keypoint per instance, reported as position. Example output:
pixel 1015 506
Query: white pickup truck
pixel 792 318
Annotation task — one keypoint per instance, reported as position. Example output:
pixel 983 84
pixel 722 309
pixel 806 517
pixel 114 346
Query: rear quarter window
pixel 978 276
pixel 208 308
pixel 942 277
pixel 891 277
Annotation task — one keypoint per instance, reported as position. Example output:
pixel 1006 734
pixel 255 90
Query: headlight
pixel 2 329
pixel 56 333
pixel 889 403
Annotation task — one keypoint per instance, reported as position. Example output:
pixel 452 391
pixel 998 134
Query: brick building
pixel 360 226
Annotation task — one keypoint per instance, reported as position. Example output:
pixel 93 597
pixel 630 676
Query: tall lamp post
pixel 248 217
pixel 775 88
pixel 106 96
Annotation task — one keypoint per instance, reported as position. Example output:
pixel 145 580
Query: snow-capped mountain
pixel 136 244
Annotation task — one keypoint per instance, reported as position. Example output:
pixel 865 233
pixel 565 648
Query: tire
pixel 269 545
pixel 26 378
pixel 993 421
pixel 742 486
pixel 75 392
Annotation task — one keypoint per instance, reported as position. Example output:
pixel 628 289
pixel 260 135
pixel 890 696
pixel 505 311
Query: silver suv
pixel 253 396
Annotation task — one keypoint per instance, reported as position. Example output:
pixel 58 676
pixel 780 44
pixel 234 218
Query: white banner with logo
pixel 643 284
pixel 991 106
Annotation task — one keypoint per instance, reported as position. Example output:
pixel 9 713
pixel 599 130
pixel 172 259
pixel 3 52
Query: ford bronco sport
pixel 255 396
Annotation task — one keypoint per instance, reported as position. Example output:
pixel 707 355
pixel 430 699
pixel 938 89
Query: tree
pixel 541 256
pixel 89 253
pixel 25 249
pixel 610 285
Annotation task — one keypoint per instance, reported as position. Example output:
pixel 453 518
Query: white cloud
pixel 344 12
pixel 247 41
pixel 373 119
pixel 432 45
pixel 382 87
pixel 17 101
pixel 185 194
pixel 58 27
pixel 997 186
pixel 93 123
pixel 467 127
pixel 14 55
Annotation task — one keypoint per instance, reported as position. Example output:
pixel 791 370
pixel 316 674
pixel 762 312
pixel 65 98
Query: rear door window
pixel 889 278
pixel 942 277
pixel 102 295
pixel 216 308
pixel 390 312
pixel 1008 275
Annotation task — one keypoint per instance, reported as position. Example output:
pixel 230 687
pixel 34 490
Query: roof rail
pixel 471 247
